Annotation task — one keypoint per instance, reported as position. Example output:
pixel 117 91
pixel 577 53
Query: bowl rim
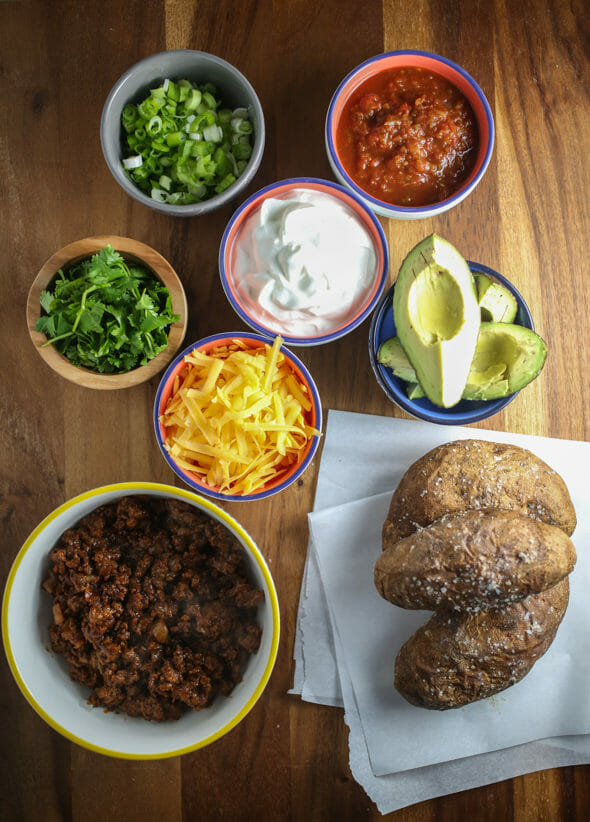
pixel 432 414
pixel 312 443
pixel 343 195
pixel 213 510
pixel 193 209
pixel 129 249
pixel 390 209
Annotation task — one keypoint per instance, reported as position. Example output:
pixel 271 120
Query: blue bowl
pixel 466 411
pixel 355 205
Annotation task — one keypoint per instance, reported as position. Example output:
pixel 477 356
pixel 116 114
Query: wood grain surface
pixel 527 219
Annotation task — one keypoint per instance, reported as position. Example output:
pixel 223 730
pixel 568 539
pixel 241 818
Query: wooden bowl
pixel 131 250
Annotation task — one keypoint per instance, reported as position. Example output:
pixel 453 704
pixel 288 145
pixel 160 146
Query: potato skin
pixel 476 474
pixel 472 560
pixel 455 659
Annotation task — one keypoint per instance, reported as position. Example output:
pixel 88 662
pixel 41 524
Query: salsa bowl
pixel 43 676
pixel 381 144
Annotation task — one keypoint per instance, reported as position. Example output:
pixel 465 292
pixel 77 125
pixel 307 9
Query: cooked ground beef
pixel 152 608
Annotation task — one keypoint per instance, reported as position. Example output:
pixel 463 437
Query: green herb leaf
pixel 105 315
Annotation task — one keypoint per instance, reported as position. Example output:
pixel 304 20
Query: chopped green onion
pixel 213 133
pixel 210 100
pixel 225 183
pixel 185 147
pixel 194 100
pixel 133 162
pixel 158 195
pixel 154 126
pixel 242 151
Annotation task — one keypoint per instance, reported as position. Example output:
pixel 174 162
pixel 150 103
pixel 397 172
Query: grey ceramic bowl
pixel 197 66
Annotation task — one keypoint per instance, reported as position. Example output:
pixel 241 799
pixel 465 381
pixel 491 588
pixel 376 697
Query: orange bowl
pixel 313 417
pixel 449 71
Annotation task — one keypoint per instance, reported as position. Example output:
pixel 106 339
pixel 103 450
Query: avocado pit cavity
pixel 435 306
pixel 437 317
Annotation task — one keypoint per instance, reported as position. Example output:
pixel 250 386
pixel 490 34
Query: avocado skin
pixel 502 338
pixel 439 353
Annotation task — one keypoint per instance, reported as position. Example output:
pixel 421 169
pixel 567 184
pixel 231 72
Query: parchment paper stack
pixel 347 636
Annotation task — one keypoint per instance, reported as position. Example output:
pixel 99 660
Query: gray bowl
pixel 197 66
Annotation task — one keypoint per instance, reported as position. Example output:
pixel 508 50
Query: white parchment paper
pixel 552 700
pixel 366 455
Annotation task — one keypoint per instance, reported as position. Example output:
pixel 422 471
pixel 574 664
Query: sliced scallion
pixel 183 146
pixel 133 162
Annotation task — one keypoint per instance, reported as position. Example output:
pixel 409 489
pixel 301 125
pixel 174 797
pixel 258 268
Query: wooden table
pixel 528 219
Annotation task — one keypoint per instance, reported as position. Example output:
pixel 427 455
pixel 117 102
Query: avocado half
pixel 437 317
pixel 507 358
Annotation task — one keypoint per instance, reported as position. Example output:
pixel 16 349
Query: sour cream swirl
pixel 304 264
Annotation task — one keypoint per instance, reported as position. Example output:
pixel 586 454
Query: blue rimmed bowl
pixel 264 322
pixel 466 411
pixel 43 676
pixel 313 417
pixel 451 72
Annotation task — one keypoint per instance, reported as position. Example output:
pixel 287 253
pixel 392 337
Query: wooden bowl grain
pixel 131 250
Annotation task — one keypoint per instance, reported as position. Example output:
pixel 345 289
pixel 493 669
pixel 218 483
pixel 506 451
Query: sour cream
pixel 304 264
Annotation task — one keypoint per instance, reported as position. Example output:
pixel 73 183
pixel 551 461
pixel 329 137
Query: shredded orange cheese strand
pixel 236 416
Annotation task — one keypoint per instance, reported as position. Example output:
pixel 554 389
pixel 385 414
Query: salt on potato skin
pixel 479 532
pixel 459 658
pixel 472 560
pixel 477 474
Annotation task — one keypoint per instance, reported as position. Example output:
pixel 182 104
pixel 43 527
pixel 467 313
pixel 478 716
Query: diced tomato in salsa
pixel 408 136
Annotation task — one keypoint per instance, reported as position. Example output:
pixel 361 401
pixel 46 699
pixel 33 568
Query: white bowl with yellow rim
pixel 43 677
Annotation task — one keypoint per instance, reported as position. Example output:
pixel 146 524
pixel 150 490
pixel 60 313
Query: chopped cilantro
pixel 106 314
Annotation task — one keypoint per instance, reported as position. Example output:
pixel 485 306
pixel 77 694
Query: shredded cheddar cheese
pixel 236 417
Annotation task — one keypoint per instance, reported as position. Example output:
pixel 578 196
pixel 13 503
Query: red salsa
pixel 408 136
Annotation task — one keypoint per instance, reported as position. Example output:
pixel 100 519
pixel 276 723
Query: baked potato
pixel 476 474
pixel 458 658
pixel 472 560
